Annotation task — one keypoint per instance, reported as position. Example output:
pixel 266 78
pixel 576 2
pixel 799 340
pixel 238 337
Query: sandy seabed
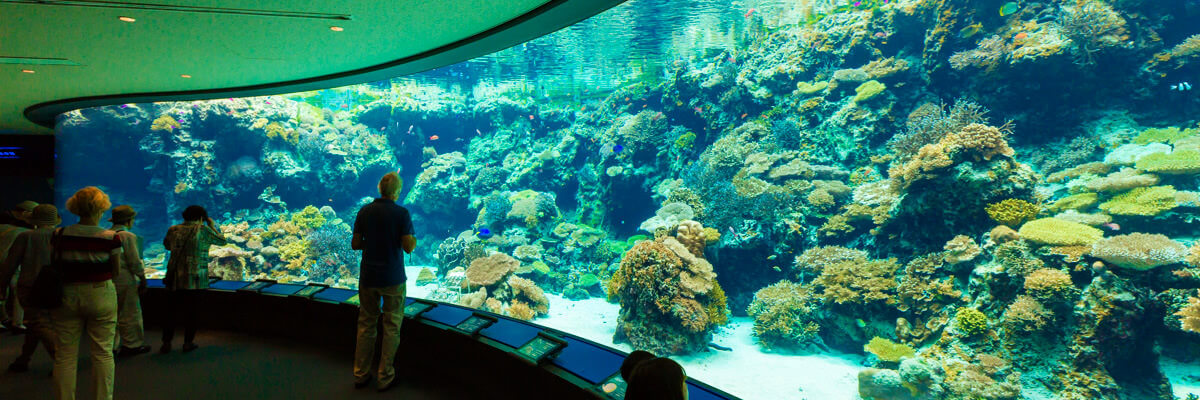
pixel 747 371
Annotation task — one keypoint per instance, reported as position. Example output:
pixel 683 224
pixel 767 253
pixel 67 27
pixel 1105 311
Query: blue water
pixel 883 199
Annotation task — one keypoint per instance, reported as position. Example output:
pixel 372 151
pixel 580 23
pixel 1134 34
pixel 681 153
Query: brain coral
pixel 1139 251
pixel 1057 232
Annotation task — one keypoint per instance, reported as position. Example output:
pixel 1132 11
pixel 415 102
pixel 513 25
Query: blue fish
pixel 484 233
pixel 617 148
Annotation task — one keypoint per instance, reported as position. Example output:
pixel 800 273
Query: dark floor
pixel 227 366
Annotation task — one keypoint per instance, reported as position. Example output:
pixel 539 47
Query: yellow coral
pixel 1049 285
pixel 1012 212
pixel 888 350
pixel 164 123
pixel 1184 162
pixel 1054 231
pixel 1189 317
pixel 1142 201
pixel 1079 201
pixel 308 218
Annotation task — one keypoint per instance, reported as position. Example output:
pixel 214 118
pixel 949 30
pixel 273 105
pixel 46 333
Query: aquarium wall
pixel 884 199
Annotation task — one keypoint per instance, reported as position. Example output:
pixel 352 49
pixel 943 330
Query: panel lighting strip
pixel 181 8
pixel 37 61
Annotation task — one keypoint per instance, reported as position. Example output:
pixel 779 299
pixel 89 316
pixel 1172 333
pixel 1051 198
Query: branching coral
pixel 309 218
pixel 1092 25
pixel 1139 251
pixel 1050 285
pixel 1012 212
pixel 848 276
pixel 930 122
pixel 978 140
pixel 784 315
pixel 971 321
pixel 1189 317
pixel 1026 314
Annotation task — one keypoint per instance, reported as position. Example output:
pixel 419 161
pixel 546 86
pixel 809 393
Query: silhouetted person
pixel 382 230
pixel 130 281
pixel 632 360
pixel 187 272
pixel 30 252
pixel 88 257
pixel 657 379
pixel 12 223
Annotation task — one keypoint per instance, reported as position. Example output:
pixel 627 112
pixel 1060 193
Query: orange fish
pixel 1021 36
pixel 744 115
pixel 434 137
pixel 531 117
pixel 626 99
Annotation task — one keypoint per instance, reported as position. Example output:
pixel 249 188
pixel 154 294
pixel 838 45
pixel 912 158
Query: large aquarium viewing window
pixel 796 199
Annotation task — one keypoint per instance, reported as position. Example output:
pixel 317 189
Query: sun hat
pixel 122 213
pixel 44 214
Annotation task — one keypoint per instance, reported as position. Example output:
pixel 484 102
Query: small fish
pixel 627 99
pixel 858 4
pixel 477 132
pixel 776 268
pixel 772 257
pixel 483 233
pixel 748 13
pixel 1009 8
pixel 531 117
pixel 860 323
pixel 678 103
pixel 124 106
pixel 1181 86
pixel 698 110
pixel 345 106
pixel 617 148
pixel 1021 36
pixel 268 101
pixel 744 115
pixel 434 137
pixel 1112 226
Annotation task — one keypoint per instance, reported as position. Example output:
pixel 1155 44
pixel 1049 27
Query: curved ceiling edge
pixel 549 17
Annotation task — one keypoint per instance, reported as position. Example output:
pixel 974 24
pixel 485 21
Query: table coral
pixel 888 350
pixel 1058 232
pixel 1186 162
pixel 1143 201
pixel 1140 251
pixel 488 271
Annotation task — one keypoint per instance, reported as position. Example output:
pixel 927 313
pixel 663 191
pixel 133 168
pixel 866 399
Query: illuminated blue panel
pixel 335 295
pixel 447 314
pixel 590 362
pixel 509 332
pixel 155 284
pixel 699 393
pixel 228 285
pixel 282 289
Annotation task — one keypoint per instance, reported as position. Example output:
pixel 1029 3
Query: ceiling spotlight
pixel 28 71
pixel 185 76
pixel 336 28
pixel 126 19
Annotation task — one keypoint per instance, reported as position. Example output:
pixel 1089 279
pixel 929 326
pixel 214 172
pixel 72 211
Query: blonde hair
pixel 390 185
pixel 88 201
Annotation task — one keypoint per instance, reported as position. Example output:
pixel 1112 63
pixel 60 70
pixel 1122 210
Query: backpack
pixel 47 291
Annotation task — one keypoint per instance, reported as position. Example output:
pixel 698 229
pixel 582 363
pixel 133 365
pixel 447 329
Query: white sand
pixel 1185 378
pixel 746 372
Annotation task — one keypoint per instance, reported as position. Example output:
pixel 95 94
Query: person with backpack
pixel 30 252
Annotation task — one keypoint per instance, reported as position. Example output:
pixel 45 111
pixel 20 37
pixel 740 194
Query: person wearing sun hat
pixel 29 253
pixel 130 280
pixel 12 223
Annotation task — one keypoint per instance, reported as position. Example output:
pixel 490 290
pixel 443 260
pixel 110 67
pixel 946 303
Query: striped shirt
pixel 84 252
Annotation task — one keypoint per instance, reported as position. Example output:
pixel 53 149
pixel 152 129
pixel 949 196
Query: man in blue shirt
pixel 382 230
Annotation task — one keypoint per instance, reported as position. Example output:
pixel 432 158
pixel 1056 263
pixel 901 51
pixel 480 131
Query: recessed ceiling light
pixel 126 19
pixel 336 28
pixel 28 71
pixel 185 76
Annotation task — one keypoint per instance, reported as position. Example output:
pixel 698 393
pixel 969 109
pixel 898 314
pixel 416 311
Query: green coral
pixel 309 218
pixel 807 88
pixel 867 90
pixel 1184 162
pixel 888 350
pixel 848 276
pixel 1057 232
pixel 1079 201
pixel 1143 201
pixel 1164 135
pixel 785 315
pixel 1012 212
pixel 971 321
pixel 685 140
